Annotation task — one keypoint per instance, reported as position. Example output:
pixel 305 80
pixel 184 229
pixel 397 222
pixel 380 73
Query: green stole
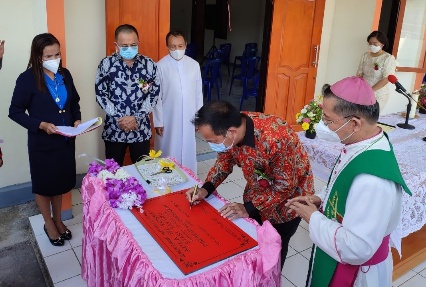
pixel 384 166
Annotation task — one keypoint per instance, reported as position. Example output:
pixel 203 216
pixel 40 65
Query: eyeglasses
pixel 326 123
pixel 125 47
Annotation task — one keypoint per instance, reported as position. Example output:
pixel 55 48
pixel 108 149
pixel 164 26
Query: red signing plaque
pixel 193 238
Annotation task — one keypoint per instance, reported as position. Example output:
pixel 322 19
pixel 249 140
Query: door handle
pixel 315 62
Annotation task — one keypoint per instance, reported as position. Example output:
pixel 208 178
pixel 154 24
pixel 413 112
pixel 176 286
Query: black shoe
pixel 55 242
pixel 67 235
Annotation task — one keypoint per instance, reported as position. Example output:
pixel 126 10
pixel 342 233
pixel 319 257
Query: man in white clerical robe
pixel 352 220
pixel 181 96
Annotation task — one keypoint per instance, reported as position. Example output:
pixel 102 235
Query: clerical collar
pixel 249 135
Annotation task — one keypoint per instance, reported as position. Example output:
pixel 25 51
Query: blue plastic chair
pixel 216 54
pixel 248 70
pixel 191 51
pixel 250 88
pixel 250 50
pixel 210 78
pixel 226 50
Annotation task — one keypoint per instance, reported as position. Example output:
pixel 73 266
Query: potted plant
pixel 309 116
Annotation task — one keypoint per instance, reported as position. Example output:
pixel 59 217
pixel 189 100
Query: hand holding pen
pixel 195 195
pixel 192 197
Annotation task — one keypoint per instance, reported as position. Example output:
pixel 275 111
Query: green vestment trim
pixel 379 163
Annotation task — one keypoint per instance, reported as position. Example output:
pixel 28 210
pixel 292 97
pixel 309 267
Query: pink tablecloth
pixel 112 257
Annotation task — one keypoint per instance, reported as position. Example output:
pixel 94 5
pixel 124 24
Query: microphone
pixel 400 89
pixel 394 80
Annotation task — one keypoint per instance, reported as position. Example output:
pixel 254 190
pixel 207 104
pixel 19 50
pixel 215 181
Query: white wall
pixel 20 21
pixel 85 40
pixel 347 24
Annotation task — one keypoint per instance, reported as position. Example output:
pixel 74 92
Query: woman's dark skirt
pixel 53 170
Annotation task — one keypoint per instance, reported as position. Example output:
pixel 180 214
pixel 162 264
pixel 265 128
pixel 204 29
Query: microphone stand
pixel 406 125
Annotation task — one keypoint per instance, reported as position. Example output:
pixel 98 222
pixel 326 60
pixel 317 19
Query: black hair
pixel 380 36
pixel 175 33
pixel 344 108
pixel 125 28
pixel 219 115
pixel 38 44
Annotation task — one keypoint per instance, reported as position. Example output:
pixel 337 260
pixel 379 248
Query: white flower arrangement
pixel 121 173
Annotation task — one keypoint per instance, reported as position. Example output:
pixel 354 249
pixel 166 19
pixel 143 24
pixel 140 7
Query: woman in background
pixel 376 65
pixel 45 97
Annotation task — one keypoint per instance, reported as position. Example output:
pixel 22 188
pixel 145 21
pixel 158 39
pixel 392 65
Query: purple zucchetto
pixel 354 90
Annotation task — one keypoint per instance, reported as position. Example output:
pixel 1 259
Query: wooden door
pixel 293 57
pixel 152 20
pixel 150 17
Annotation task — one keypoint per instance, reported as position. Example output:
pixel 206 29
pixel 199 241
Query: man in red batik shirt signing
pixel 272 159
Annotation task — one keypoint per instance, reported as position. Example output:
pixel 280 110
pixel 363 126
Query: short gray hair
pixel 345 108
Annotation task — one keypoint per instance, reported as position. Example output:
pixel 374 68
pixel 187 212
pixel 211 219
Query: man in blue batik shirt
pixel 127 89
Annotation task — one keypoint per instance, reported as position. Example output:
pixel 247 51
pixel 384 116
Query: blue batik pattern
pixel 118 93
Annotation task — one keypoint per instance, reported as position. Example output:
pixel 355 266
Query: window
pixel 404 22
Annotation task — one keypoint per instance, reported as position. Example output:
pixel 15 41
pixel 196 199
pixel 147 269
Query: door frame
pixel 266 45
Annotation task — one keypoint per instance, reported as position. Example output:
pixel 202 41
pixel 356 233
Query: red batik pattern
pixel 280 155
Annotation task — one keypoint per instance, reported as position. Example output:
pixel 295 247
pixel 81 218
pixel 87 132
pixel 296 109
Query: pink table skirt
pixel 112 257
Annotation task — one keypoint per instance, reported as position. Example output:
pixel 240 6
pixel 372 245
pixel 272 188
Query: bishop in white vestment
pixel 181 97
pixel 351 223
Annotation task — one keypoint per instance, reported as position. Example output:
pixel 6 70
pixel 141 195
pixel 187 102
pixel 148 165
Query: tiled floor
pixel 64 263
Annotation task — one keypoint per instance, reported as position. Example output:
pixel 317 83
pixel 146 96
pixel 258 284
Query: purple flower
pixel 121 193
pixel 133 185
pixel 114 188
pixel 111 165
pixel 95 168
pixel 306 120
pixel 114 202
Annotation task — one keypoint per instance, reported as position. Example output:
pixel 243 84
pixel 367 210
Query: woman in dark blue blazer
pixel 45 97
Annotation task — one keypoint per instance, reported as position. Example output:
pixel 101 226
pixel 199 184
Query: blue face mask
pixel 221 147
pixel 128 53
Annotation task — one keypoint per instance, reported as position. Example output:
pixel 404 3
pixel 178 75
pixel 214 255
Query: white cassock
pixel 373 210
pixel 181 96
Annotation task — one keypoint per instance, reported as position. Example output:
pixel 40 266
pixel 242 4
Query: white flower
pixel 303 111
pixel 306 106
pixel 145 89
pixel 128 200
pixel 121 173
pixel 311 115
pixel 140 85
pixel 104 174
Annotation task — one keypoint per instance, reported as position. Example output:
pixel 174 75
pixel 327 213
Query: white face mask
pixel 177 54
pixel 374 49
pixel 52 65
pixel 326 134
